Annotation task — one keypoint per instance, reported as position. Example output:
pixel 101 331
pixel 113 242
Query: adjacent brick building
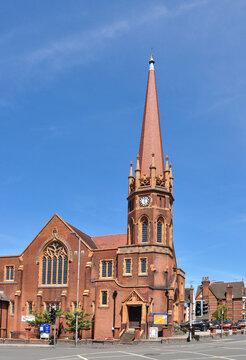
pixel 124 278
pixel 232 294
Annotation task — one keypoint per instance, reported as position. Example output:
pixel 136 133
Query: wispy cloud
pixel 80 47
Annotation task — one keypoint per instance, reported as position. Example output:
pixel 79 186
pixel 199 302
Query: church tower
pixel 150 192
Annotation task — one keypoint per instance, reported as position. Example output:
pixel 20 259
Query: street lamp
pixel 147 309
pixel 115 293
pixel 77 302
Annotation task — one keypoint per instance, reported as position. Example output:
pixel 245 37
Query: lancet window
pixel 144 230
pixel 55 264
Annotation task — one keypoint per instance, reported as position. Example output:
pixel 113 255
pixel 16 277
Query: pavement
pixel 232 348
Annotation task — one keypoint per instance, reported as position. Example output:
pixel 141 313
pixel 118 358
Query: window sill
pixel 142 274
pixel 8 282
pixel 103 306
pixel 52 286
pixel 127 275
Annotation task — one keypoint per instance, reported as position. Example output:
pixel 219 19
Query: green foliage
pixel 42 317
pixel 218 313
pixel 83 321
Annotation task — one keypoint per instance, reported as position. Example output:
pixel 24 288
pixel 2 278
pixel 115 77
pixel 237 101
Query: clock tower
pixel 150 191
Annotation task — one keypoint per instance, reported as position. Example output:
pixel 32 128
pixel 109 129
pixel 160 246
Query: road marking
pixel 138 355
pixel 108 356
pixel 75 355
pixel 81 357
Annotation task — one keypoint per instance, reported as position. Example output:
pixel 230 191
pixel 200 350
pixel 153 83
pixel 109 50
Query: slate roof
pixel 89 241
pixel 110 241
pixel 219 289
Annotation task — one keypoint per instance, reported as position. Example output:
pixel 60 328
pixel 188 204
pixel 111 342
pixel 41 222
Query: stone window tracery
pixel 55 264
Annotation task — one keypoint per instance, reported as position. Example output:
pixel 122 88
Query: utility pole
pixel 77 303
pixel 221 322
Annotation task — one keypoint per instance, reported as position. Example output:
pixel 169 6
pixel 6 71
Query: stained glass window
pixel 65 270
pixel 54 264
pixel 44 270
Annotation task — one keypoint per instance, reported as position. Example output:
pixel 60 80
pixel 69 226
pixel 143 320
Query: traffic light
pixel 52 315
pixel 205 308
pixel 198 310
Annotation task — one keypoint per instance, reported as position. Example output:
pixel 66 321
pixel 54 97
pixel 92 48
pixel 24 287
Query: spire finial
pixel 151 62
pixel 131 173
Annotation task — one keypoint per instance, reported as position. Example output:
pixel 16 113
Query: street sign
pixel 44 328
pixel 160 319
pixel 153 333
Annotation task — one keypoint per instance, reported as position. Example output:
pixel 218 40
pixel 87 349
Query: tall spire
pixel 151 132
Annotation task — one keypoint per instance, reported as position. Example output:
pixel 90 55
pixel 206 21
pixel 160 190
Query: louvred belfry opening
pixel 151 142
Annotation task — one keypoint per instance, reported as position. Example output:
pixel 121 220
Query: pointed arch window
pixel 159 231
pixel 144 230
pixel 54 265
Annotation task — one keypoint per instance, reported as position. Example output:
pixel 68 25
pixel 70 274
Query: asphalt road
pixel 228 348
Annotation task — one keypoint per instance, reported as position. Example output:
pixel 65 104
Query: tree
pixel 83 322
pixel 43 317
pixel 218 312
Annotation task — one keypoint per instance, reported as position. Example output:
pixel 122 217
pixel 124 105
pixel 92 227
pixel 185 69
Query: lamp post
pixel 115 293
pixel 147 310
pixel 77 301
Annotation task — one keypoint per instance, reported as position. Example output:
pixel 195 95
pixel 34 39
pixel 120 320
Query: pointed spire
pixel 137 173
pixel 151 141
pixel 167 166
pixel 131 173
pixel 151 62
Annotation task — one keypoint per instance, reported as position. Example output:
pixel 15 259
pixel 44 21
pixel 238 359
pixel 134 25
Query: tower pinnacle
pixel 151 62
pixel 151 141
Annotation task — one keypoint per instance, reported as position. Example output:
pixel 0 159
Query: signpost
pixel 153 333
pixel 44 330
pixel 160 318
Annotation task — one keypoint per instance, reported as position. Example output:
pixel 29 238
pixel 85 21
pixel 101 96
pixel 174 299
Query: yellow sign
pixel 160 319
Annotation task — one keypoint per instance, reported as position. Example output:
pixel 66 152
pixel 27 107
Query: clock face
pixel 144 201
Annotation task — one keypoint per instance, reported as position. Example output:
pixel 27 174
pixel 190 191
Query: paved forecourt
pixel 230 349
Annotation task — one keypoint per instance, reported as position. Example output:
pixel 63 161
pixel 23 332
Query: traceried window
pixel 55 264
pixel 106 268
pixel 9 273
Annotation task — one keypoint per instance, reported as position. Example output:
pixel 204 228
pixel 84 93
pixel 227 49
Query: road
pixel 233 348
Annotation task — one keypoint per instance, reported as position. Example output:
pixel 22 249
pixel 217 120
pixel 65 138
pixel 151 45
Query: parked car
pixel 214 324
pixel 228 324
pixel 201 325
pixel 240 322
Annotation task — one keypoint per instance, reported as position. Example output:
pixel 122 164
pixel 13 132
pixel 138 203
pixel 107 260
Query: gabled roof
pixel 110 241
pixel 87 239
pixel 219 289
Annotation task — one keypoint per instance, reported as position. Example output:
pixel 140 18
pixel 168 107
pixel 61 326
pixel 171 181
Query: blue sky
pixel 72 87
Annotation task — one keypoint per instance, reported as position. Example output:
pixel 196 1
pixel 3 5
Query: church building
pixel 124 278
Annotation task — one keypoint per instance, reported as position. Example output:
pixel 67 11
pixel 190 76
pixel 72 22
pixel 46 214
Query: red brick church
pixel 124 278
